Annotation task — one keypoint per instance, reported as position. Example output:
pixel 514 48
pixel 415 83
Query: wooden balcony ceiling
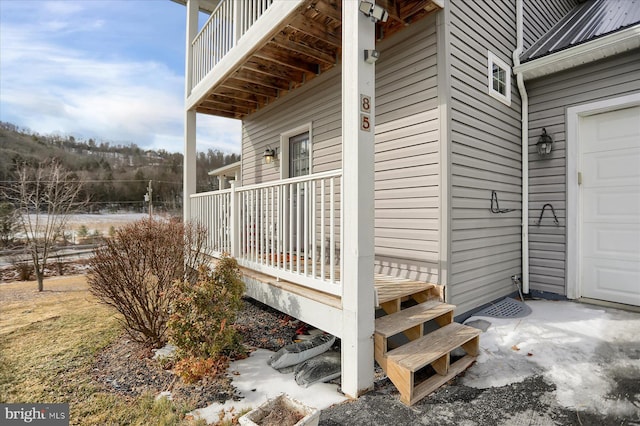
pixel 305 47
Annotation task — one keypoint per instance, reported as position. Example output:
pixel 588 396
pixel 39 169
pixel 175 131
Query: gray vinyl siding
pixel 549 97
pixel 317 103
pixel 407 178
pixel 485 152
pixel 407 171
pixel 540 16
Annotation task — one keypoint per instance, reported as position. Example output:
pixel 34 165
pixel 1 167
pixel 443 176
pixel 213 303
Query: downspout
pixel 525 147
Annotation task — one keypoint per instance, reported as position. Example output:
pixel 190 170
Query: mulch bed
pixel 128 368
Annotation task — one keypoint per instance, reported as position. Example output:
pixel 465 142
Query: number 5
pixel 365 124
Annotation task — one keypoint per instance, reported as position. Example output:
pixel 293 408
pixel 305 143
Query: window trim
pixel 494 60
pixel 284 148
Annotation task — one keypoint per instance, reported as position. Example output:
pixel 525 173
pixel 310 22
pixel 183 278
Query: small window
pixel 499 79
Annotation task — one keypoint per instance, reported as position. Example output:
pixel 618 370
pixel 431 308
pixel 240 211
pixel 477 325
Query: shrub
pixel 135 270
pixel 83 231
pixel 192 369
pixel 203 314
pixel 23 267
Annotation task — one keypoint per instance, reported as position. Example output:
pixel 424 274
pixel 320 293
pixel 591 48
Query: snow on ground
pixel 258 382
pixel 583 350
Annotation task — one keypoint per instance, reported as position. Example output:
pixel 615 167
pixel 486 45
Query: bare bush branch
pixel 135 270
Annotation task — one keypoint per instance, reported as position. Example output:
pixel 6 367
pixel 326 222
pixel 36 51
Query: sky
pixel 108 70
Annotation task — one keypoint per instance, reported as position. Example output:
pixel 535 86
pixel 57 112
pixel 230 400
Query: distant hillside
pixel 115 176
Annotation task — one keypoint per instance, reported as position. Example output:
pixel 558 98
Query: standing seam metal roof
pixel 587 21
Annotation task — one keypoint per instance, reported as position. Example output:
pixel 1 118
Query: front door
pixel 610 206
pixel 298 166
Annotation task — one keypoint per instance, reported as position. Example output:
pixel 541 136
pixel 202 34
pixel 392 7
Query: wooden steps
pixel 426 357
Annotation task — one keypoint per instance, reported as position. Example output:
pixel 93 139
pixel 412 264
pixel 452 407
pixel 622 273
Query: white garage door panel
pixel 612 281
pixel 620 128
pixel 612 242
pixel 618 205
pixel 620 167
pixel 610 206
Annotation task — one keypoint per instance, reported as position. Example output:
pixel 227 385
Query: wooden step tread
pixel 390 288
pixel 427 349
pixel 398 322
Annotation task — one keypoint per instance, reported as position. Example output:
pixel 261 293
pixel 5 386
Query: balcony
pixel 250 53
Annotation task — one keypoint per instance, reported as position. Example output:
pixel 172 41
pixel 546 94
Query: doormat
pixel 506 308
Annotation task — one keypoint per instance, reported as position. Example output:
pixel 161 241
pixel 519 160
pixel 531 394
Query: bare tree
pixel 44 197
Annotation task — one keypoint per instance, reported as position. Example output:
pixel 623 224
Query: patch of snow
pixel 579 348
pixel 166 351
pixel 257 383
pixel 164 394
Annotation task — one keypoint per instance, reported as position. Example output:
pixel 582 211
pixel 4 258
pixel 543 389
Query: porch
pixel 306 244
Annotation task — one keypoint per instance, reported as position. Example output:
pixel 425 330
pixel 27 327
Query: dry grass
pixel 48 343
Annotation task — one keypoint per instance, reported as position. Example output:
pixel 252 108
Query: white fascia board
pixel 225 169
pixel 206 6
pixel 591 51
pixel 259 33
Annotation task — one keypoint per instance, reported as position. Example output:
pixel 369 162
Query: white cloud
pixel 52 85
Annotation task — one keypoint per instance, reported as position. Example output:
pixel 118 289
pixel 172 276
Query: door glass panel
pixel 299 155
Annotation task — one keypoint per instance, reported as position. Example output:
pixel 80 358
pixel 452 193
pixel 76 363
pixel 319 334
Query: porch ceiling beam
pixel 243 96
pixel 272 54
pixel 233 108
pixel 216 112
pixel 303 49
pixel 327 9
pixel 251 88
pixel 270 69
pixel 259 78
pixel 310 27
pixel 392 7
pixel 407 12
pixel 222 99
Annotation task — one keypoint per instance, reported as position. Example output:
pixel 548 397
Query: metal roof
pixel 587 21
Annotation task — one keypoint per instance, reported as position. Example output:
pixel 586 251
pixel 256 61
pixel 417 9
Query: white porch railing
pixel 213 210
pixel 288 228
pixel 227 23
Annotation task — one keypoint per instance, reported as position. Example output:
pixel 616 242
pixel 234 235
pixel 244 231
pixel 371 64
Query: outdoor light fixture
pixel 544 144
pixel 371 56
pixel 269 155
pixel 373 11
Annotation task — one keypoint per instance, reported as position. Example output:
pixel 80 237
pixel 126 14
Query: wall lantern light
pixel 544 144
pixel 269 155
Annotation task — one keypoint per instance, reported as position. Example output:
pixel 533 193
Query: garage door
pixel 610 206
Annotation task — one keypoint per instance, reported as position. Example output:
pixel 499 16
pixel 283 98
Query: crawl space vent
pixel 506 308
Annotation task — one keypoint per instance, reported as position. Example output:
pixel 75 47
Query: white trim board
pixel 581 54
pixel 574 113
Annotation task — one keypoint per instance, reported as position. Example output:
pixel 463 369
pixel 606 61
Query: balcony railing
pixel 288 228
pixel 226 25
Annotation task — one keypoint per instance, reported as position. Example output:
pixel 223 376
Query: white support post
pixel 358 87
pixel 234 222
pixel 189 173
pixel 189 169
